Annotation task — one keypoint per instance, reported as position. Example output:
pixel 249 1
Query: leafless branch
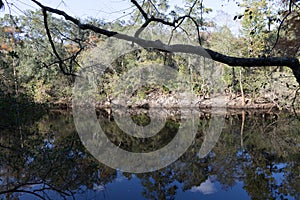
pixel 153 19
pixel 60 63
pixel 281 24
pixel 290 62
pixel 195 23
pixel 140 9
pixel 154 6
pixel 294 99
pixel 174 24
pixel 193 6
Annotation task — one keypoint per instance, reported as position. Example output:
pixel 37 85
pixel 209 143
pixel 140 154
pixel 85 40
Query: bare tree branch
pixel 181 19
pixel 294 100
pixel 153 19
pixel 292 63
pixel 174 24
pixel 140 9
pixel 61 62
pixel 281 24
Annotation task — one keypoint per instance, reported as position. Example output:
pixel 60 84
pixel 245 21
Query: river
pixel 256 156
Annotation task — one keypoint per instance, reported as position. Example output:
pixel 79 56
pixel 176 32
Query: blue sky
pixel 114 9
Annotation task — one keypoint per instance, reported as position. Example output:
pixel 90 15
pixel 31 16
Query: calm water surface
pixel 256 157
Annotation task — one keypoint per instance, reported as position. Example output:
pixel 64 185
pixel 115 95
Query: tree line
pixel 39 51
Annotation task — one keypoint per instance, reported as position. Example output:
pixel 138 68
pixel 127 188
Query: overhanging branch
pixel 140 9
pixel 290 62
pixel 60 61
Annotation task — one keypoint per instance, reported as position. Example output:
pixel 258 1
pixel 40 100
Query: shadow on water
pixel 257 156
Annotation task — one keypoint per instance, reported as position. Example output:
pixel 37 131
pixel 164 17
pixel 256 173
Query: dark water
pixel 256 157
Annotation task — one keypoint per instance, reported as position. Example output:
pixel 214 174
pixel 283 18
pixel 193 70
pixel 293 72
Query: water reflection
pixel 257 156
pixel 207 187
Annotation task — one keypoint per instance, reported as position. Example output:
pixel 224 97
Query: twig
pixel 61 63
pixel 281 24
pixel 140 9
pixel 294 100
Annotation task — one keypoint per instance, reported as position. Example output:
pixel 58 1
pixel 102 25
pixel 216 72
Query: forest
pixel 42 51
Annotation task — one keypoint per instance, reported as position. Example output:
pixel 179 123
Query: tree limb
pixel 140 9
pixel 281 24
pixel 176 23
pixel 61 62
pixel 292 63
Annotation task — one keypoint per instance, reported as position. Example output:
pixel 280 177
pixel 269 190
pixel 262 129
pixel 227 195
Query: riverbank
pixel 169 101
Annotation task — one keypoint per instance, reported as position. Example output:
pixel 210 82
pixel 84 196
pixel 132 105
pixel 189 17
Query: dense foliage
pixel 30 68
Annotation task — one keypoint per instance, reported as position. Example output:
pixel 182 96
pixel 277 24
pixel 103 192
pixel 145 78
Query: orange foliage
pixel 8 29
pixel 5 47
pixel 92 40
pixel 72 48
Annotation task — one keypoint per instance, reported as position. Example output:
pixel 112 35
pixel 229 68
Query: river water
pixel 256 156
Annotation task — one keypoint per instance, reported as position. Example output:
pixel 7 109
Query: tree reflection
pixel 45 159
pixel 50 161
